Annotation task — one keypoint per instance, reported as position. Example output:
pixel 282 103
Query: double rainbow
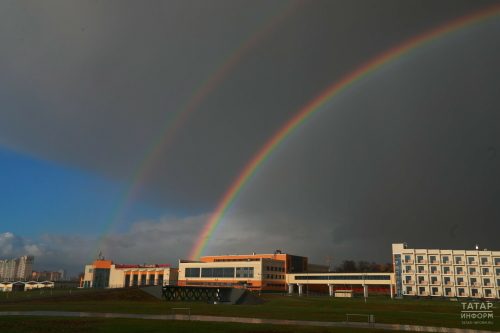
pixel 318 102
pixel 173 124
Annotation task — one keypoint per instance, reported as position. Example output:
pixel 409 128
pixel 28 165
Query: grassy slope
pixel 414 312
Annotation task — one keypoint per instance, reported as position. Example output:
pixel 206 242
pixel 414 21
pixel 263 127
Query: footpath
pixel 413 328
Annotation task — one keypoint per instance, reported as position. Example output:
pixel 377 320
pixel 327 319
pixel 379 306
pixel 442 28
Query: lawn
pixel 23 324
pixel 277 306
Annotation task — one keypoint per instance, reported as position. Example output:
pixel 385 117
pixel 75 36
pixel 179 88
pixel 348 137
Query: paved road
pixel 413 328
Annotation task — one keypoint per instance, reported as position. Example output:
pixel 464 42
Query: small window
pixel 90 270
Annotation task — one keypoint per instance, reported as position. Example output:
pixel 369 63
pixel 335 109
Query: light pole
pixel 364 285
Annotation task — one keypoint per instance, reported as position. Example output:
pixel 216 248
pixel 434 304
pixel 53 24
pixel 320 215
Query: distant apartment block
pixel 18 268
pixel 446 273
pixel 64 274
pixel 46 276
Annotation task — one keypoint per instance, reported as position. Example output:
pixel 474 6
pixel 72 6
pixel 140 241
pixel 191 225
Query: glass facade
pixel 244 272
pixel 192 272
pixel 399 269
pixel 101 278
pixel 217 272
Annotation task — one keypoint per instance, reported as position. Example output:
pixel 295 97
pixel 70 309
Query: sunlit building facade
pixel 265 272
pixel 446 273
pixel 105 274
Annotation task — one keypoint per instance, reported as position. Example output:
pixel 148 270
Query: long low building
pixel 303 282
pixel 263 272
pixel 29 285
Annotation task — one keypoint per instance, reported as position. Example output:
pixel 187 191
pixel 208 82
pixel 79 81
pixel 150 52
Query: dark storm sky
pixel 407 155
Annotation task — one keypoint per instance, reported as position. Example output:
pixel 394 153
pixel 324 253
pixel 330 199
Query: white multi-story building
pixel 18 268
pixel 448 273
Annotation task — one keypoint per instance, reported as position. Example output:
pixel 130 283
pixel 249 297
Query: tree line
pixel 362 266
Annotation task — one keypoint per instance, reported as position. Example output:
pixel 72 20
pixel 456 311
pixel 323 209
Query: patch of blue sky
pixel 38 196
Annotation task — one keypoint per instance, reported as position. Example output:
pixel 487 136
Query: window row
pixel 276 269
pixel 274 276
pixel 220 272
pixel 449 259
pixel 447 281
pixel 449 269
pixel 229 260
pixel 460 292
pixel 343 277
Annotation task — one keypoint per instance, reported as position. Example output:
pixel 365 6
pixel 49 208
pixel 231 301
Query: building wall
pixel 128 275
pixel 259 273
pixel 147 276
pixel 448 273
pixel 18 268
pixel 292 263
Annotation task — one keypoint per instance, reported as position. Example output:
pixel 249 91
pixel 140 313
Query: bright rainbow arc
pixel 173 124
pixel 305 113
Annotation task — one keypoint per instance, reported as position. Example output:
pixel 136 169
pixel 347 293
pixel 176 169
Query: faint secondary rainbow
pixel 191 102
pixel 317 103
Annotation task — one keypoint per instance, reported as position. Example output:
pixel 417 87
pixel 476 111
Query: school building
pixel 265 272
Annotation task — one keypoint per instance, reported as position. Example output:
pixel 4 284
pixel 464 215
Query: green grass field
pixel 38 292
pixel 410 312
